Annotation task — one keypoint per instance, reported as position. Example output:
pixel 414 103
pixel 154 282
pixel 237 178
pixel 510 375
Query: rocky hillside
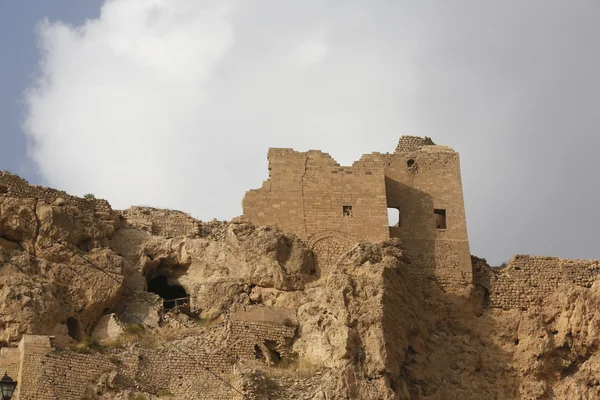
pixel 255 319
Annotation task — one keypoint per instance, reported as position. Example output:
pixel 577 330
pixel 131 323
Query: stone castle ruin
pixel 327 265
pixel 333 207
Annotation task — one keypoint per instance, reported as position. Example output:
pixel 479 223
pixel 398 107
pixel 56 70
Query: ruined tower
pixel 332 207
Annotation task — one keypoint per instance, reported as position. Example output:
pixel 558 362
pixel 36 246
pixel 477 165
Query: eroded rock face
pixel 219 273
pixel 558 346
pixel 44 278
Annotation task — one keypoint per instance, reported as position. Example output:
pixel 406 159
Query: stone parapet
pixel 526 280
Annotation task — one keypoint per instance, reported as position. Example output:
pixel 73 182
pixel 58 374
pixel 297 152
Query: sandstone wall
pixel 50 375
pixel 312 196
pixel 187 371
pixel 183 374
pixel 254 326
pixel 166 223
pixel 9 361
pixel 526 280
pixel 14 186
pixel 420 180
pixel 411 143
pixel 334 207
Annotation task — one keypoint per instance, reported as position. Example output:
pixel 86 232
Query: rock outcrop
pixel 44 279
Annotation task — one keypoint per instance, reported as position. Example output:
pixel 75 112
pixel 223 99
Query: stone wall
pixel 172 223
pixel 186 370
pixel 418 182
pixel 185 374
pixel 411 143
pixel 526 280
pixel 257 325
pixel 166 223
pixel 312 196
pixel 14 186
pixel 47 373
pixel 334 207
pixel 10 359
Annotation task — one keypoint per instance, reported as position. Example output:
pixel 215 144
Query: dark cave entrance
pixel 274 355
pixel 74 329
pixel 172 295
pixel 258 353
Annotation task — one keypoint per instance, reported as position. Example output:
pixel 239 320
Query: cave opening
pixel 74 329
pixel 274 355
pixel 258 353
pixel 172 295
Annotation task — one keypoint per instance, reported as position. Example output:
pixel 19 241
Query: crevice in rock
pixel 37 227
pixel 303 207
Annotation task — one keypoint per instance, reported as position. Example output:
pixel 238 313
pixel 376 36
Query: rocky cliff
pixel 255 319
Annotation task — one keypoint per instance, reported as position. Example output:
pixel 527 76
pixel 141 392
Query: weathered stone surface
pixel 44 280
pixel 218 273
pixel 108 328
pixel 333 207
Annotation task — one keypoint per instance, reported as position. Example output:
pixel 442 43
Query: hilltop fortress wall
pixel 333 207
pixel 45 372
pixel 15 186
pixel 526 280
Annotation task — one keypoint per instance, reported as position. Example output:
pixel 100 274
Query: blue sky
pixel 18 64
pixel 174 103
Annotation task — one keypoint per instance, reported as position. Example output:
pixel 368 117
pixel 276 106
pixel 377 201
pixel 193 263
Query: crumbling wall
pixel 47 373
pixel 186 374
pixel 172 223
pixel 254 325
pixel 186 369
pixel 14 186
pixel 410 143
pixel 312 196
pixel 166 223
pixel 422 179
pixel 528 279
pixel 335 207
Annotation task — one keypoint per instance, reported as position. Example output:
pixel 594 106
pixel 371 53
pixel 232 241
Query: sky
pixel 174 103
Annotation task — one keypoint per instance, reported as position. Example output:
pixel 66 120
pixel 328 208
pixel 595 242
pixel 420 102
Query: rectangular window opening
pixel 440 218
pixel 347 211
pixel 394 217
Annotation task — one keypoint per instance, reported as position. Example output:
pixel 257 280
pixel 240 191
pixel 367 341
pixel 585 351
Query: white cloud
pixel 174 103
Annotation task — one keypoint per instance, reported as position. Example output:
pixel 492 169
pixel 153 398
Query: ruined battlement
pixel 166 223
pixel 333 207
pixel 15 186
pixel 412 143
pixel 526 280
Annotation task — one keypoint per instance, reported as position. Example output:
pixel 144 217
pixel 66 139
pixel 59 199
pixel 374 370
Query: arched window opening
pixel 74 329
pixel 172 295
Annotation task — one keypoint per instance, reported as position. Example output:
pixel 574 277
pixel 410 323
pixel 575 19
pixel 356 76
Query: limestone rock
pixel 108 328
pixel 219 273
pixel 46 276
